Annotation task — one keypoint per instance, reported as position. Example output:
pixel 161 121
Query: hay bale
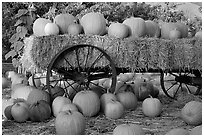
pixel 134 54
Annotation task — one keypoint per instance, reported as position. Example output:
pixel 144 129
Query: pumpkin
pixel 70 123
pixel 166 28
pixel 93 23
pixel 36 82
pixel 63 21
pixel 87 102
pixel 151 107
pixel 5 83
pixel 152 29
pixel 58 103
pixel 183 29
pixel 56 91
pixel 74 29
pixel 191 113
pixel 155 92
pixel 39 26
pixel 175 34
pixel 125 77
pixel 199 35
pixel 51 29
pixel 105 98
pixel 7 112
pixel 20 112
pixel 178 131
pixel 136 26
pixel 98 90
pixel 72 90
pixel 30 94
pixel 118 30
pixel 114 109
pixel 71 107
pixel 128 100
pixel 128 129
pixel 196 130
pixel 40 111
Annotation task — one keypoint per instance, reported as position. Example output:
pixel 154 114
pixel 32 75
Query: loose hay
pixel 131 53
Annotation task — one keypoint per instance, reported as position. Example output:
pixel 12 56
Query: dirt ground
pixel 100 125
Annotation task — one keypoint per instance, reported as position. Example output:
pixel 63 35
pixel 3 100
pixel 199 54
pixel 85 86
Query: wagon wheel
pixel 79 67
pixel 34 77
pixel 172 83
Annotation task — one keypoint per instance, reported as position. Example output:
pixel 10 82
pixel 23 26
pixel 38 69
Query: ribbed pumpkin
pixel 74 29
pixel 128 129
pixel 166 28
pixel 183 29
pixel 70 123
pixel 39 26
pixel 152 29
pixel 58 103
pixel 63 21
pixel 39 111
pixel 178 131
pixel 191 113
pixel 87 102
pixel 118 30
pixel 136 25
pixel 51 29
pixel 93 23
pixel 105 98
pixel 30 94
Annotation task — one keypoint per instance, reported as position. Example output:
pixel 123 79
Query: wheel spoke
pixel 171 86
pixel 173 74
pixel 177 90
pixel 97 59
pixel 69 64
pixel 77 57
pixel 86 58
pixel 188 89
pixel 98 85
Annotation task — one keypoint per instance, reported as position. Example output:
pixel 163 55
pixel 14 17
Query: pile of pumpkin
pixel 94 23
pixel 32 103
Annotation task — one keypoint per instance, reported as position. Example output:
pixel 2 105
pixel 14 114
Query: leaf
pixel 18 22
pixel 21 12
pixel 11 53
pixel 21 31
pixel 17 45
pixel 15 37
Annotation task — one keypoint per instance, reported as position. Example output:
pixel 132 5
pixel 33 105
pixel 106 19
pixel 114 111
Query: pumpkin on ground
pixel 70 123
pixel 63 21
pixel 113 109
pixel 105 98
pixel 87 102
pixel 39 26
pixel 178 131
pixel 136 26
pixel 93 23
pixel 196 130
pixel 128 129
pixel 128 100
pixel 191 113
pixel 151 107
pixel 30 94
pixel 58 103
pixel 7 112
pixel 20 112
pixel 198 35
pixel 152 29
pixel 74 29
pixel 51 29
pixel 39 111
pixel 118 30
pixel 71 107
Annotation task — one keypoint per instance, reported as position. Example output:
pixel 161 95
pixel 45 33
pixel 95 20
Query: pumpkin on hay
pixel 136 26
pixel 174 34
pixel 39 26
pixel 63 21
pixel 93 23
pixel 178 131
pixel 74 29
pixel 70 123
pixel 40 111
pixel 191 113
pixel 128 129
pixel 87 102
pixel 152 29
pixel 51 29
pixel 118 30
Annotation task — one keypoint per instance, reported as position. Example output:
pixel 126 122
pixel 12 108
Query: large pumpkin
pixel 136 26
pixel 63 21
pixel 40 111
pixel 191 113
pixel 93 23
pixel 70 123
pixel 105 98
pixel 118 30
pixel 30 94
pixel 128 129
pixel 87 102
pixel 58 103
pixel 39 26
pixel 152 29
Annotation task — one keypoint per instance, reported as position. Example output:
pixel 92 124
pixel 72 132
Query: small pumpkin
pixel 191 113
pixel 51 29
pixel 175 34
pixel 7 112
pixel 70 123
pixel 199 35
pixel 105 98
pixel 118 30
pixel 39 26
pixel 40 111
pixel 74 29
pixel 114 109
pixel 183 29
pixel 128 129
pixel 20 112
pixel 178 131
pixel 151 107
pixel 196 130
pixel 166 28
pixel 87 102
pixel 58 103
pixel 71 107
pixel 152 29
